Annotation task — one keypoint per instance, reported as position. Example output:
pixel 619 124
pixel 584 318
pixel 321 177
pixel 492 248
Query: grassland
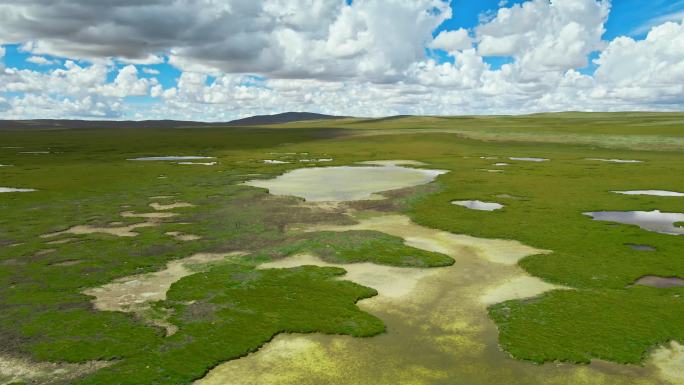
pixel 231 309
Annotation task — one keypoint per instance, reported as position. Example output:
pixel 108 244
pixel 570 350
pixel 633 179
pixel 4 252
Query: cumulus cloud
pixel 649 70
pixel 367 58
pixel 546 35
pixel 40 60
pixel 302 38
pixel 72 91
pixel 452 41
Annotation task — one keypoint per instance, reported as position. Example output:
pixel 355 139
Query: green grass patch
pixel 232 310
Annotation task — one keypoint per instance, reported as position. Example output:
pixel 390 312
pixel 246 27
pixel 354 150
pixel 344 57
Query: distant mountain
pixel 287 117
pixel 52 124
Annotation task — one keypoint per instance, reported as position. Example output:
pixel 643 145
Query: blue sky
pixel 34 53
pixel 627 18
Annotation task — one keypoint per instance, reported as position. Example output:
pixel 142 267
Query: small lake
pixel 524 159
pixel 657 193
pixel 11 190
pixel 616 160
pixel 655 221
pixel 660 282
pixel 479 205
pixel 171 158
pixel 345 183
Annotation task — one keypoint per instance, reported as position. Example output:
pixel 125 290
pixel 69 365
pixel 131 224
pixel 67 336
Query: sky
pixel 218 60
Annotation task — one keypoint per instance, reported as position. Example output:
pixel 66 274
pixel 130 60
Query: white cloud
pixel 546 35
pixel 649 70
pixel 365 59
pixel 127 83
pixel 451 41
pixel 40 60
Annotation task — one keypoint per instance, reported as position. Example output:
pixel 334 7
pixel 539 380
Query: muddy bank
pixel 438 330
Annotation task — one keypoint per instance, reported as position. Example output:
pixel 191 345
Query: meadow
pixel 227 309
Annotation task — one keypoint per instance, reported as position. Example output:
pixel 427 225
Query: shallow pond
pixel 199 163
pixel 655 221
pixel 616 160
pixel 12 190
pixel 172 157
pixel 660 282
pixel 524 159
pixel 345 183
pixel 479 205
pixel 657 193
pixel 637 247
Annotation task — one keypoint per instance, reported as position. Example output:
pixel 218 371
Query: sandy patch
pixel 123 231
pixel 389 281
pixel 492 171
pixel 520 287
pixel 135 293
pixel 61 241
pixel 669 360
pixel 507 252
pixel 176 205
pixel 438 329
pixel 14 369
pixel 130 214
pixel 274 161
pixel 179 236
pixel 71 262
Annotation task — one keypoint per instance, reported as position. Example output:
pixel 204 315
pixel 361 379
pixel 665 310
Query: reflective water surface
pixel 479 205
pixel 172 157
pixel 655 221
pixel 11 189
pixel 616 160
pixel 658 193
pixel 523 159
pixel 345 183
pixel 660 282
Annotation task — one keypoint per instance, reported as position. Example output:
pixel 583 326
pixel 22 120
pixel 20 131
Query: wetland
pixel 362 271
